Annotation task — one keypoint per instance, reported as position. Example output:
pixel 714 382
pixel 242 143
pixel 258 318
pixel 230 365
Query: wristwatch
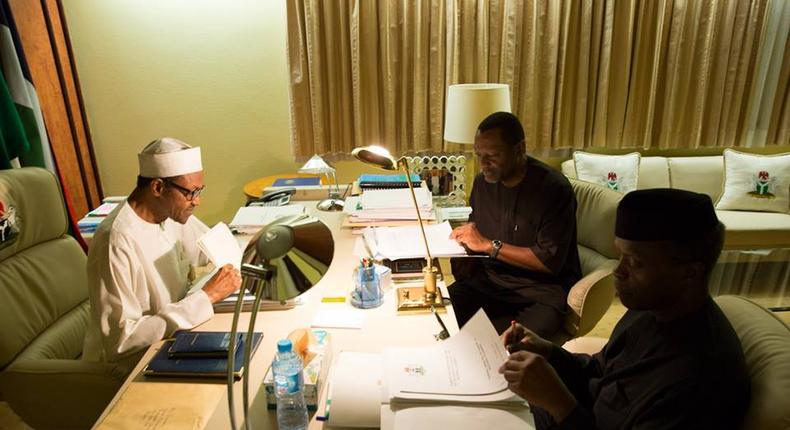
pixel 496 244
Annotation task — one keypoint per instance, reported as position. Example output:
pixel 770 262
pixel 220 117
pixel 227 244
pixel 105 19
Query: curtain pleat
pixel 596 73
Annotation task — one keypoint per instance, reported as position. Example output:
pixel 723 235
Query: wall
pixel 211 73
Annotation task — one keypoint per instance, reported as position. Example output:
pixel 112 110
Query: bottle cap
pixel 284 345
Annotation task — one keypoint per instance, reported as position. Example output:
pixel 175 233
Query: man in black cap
pixel 524 217
pixel 673 360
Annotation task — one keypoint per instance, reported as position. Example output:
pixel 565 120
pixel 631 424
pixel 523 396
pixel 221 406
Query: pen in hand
pixel 512 344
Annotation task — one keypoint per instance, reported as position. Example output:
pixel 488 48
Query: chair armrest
pixel 589 299
pixel 60 393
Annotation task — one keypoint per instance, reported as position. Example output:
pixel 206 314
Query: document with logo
pixel 462 369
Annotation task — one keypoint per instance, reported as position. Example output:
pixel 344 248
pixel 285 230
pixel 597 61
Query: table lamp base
pixel 412 300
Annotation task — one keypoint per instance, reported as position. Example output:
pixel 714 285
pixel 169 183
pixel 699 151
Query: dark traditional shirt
pixel 539 213
pixel 684 374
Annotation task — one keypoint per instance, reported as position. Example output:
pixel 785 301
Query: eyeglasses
pixel 188 194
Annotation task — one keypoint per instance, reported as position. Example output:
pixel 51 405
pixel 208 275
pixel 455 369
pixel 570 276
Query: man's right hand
pixel 224 283
pixel 519 338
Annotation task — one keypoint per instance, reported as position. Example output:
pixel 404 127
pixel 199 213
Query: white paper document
pixel 462 368
pixel 220 246
pixel 258 216
pixel 356 404
pixel 406 242
pixel 338 318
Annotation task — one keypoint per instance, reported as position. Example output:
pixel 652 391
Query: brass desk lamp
pixel 283 260
pixel 410 299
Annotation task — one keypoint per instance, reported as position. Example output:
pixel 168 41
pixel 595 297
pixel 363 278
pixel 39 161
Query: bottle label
pixel 289 384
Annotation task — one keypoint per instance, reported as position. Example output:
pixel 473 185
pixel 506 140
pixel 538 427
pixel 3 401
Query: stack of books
pixel 90 222
pixel 200 353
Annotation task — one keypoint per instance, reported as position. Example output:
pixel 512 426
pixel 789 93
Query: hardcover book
pixel 297 182
pixel 201 344
pixel 207 367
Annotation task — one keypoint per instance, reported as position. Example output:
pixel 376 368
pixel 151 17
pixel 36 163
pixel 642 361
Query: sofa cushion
pixel 755 182
pixel 699 174
pixel 617 172
pixel 755 230
pixel 766 346
pixel 653 173
pixel 29 304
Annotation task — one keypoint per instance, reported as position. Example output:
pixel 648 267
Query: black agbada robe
pixel 684 374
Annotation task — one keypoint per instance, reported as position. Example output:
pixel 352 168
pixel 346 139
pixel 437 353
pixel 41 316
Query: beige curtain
pixel 593 73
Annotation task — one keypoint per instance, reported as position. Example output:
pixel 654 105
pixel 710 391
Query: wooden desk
pixel 195 403
pixel 254 189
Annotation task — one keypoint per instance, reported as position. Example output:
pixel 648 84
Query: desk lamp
pixel 317 165
pixel 283 260
pixel 410 299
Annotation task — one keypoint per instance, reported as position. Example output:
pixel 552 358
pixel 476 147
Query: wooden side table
pixel 254 189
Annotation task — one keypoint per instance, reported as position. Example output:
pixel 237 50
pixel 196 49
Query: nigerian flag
pixel 23 138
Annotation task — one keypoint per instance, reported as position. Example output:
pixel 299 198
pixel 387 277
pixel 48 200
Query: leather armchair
pixel 765 340
pixel 44 311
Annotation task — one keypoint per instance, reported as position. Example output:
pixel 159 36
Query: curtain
pixel 598 73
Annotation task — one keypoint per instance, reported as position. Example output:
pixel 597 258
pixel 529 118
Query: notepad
pixel 336 318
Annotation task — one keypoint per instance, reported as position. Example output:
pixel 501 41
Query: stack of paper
pixel 250 219
pixel 390 204
pixel 455 378
pixel 396 243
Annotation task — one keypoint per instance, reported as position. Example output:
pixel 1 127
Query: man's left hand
pixel 532 377
pixel 469 236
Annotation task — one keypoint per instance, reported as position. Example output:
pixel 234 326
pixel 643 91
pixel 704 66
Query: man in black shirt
pixel 524 217
pixel 673 361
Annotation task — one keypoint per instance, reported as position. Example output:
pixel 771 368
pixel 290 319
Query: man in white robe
pixel 140 259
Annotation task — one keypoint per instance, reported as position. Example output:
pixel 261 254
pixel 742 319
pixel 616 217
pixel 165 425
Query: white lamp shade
pixel 468 105
pixel 316 165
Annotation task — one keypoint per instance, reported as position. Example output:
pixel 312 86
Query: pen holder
pixel 367 288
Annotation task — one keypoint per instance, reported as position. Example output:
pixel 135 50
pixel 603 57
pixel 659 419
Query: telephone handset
pixel 279 197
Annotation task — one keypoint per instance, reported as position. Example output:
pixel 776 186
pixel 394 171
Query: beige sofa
pixel 44 311
pixel 765 340
pixel 745 230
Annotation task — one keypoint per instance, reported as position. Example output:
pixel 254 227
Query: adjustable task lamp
pixel 283 260
pixel 317 165
pixel 410 299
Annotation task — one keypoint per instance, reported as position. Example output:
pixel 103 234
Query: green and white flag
pixel 23 137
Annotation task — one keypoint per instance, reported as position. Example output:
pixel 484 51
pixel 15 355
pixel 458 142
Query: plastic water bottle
pixel 289 388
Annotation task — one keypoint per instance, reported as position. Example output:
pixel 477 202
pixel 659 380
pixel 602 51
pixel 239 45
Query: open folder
pixel 396 243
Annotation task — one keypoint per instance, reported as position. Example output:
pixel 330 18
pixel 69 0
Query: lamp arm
pixel 405 164
pixel 258 277
pixel 231 356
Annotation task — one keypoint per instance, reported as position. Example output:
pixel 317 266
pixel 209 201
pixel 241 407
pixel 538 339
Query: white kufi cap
pixel 168 157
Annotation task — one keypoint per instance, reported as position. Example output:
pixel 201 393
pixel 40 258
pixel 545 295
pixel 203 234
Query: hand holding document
pixel 220 246
pixel 462 369
pixel 447 380
pixel 396 243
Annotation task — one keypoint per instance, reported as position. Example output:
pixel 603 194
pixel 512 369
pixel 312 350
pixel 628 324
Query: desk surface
pixel 195 403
